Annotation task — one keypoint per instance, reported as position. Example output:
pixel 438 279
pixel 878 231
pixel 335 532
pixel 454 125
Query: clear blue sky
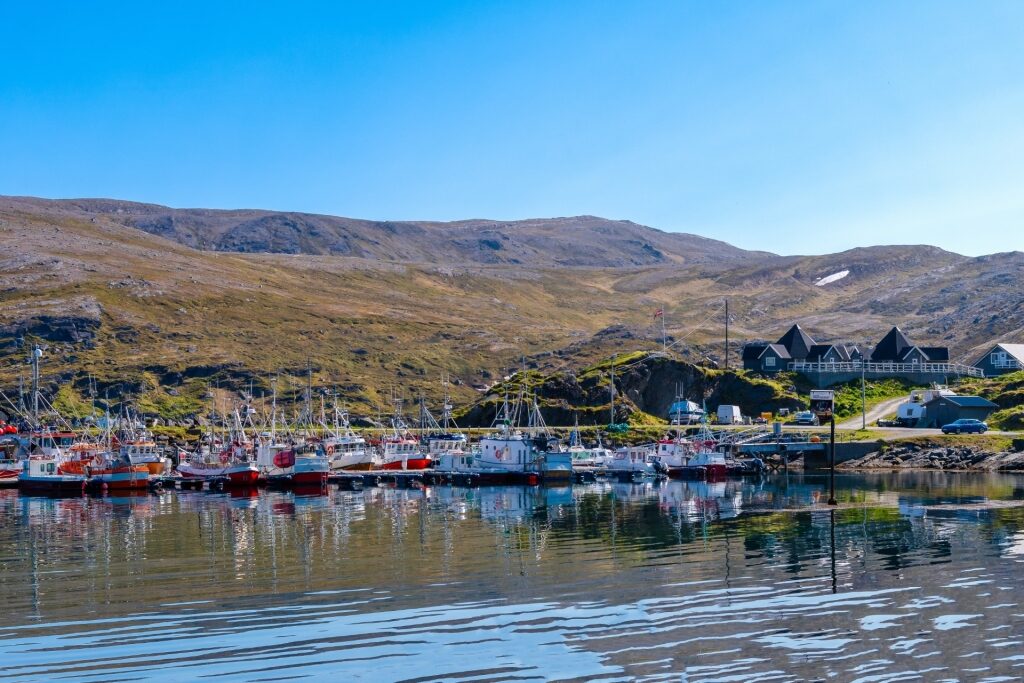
pixel 795 127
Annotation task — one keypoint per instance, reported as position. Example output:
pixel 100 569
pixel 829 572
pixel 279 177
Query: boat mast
pixel 611 390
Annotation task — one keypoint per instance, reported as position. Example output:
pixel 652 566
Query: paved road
pixel 883 409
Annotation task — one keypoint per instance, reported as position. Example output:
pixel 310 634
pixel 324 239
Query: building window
pixel 769 362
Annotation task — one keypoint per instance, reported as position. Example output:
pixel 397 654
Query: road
pixel 876 412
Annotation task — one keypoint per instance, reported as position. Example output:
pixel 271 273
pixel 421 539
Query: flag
pixel 660 313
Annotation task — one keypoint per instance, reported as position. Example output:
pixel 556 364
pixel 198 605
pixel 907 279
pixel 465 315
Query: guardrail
pixel 958 369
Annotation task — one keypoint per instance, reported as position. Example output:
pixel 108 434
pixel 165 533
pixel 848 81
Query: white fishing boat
pixel 400 450
pixel 631 461
pixel 42 469
pixel 344 449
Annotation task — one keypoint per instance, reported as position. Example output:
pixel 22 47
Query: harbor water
pixel 916 576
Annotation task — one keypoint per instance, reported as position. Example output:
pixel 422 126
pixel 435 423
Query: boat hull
pixel 59 484
pixel 714 472
pixel 122 478
pixel 236 475
pixel 410 464
pixel 360 467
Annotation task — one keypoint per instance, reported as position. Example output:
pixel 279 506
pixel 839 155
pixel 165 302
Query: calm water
pixel 917 577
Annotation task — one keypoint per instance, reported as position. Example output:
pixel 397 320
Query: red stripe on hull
pixel 411 464
pixel 308 478
pixel 246 478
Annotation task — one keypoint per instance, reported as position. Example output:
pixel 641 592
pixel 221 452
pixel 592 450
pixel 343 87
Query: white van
pixel 729 415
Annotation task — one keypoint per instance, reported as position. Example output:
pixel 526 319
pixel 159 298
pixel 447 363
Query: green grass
pixel 1005 390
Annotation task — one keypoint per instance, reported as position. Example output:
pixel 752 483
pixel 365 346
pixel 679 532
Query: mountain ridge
pixel 587 241
pixel 135 309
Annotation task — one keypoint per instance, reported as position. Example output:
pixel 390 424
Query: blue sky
pixel 794 127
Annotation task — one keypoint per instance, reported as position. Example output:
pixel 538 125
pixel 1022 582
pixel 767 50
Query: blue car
pixel 965 427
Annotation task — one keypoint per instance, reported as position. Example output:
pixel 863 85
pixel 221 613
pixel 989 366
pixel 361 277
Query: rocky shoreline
pixel 923 456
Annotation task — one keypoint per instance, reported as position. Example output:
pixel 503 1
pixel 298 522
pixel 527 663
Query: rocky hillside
pixel 574 241
pixel 134 306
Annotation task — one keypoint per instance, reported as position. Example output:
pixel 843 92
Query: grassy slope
pixel 167 312
pixel 1007 391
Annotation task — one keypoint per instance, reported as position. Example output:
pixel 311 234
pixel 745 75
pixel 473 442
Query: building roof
pixel 892 347
pixel 818 351
pixel 966 401
pixel 936 354
pixel 797 342
pixel 1015 350
pixel 753 351
pixel 780 351
pixel 908 351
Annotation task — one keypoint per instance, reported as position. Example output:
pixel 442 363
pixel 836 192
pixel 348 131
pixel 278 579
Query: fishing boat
pixel 400 450
pixel 442 436
pixel 42 470
pixel 144 451
pixel 115 471
pixel 299 465
pixel 582 456
pixel 11 455
pixel 345 450
pixel 43 474
pixel 706 461
pixel 631 462
pixel 229 463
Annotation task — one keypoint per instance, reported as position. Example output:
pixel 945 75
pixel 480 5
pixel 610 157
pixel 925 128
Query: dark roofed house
pixel 828 353
pixel 1002 358
pixel 797 342
pixel 892 348
pixel 942 410
pixel 896 347
pixel 767 358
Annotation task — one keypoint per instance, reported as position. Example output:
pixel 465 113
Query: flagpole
pixel 664 338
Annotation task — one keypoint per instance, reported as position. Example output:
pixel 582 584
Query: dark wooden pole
pixel 832 462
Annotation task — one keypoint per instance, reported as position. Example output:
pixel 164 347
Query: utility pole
pixel 726 334
pixel 863 399
pixel 832 462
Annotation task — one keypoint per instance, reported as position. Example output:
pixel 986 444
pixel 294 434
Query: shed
pixel 942 410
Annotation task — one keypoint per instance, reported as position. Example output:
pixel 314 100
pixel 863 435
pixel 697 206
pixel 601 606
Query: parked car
pixel 805 417
pixel 965 426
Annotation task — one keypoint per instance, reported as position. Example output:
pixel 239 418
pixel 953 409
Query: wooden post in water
pixel 832 462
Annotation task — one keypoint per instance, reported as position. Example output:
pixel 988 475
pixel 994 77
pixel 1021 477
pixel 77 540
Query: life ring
pixel 330 450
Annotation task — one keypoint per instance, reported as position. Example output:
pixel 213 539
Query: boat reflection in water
pixel 912 578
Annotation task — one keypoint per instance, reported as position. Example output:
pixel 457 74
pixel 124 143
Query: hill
pixel 153 314
pixel 575 241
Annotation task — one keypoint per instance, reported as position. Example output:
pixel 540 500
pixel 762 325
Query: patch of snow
pixel 831 278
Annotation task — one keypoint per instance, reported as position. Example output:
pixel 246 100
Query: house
pixel 1001 359
pixel 770 358
pixel 942 410
pixel 828 353
pixel 896 347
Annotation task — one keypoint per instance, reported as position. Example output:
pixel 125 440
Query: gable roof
pixel 753 351
pixel 779 350
pixel 966 401
pixel 797 342
pixel 908 352
pixel 819 351
pixel 1015 350
pixel 892 347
